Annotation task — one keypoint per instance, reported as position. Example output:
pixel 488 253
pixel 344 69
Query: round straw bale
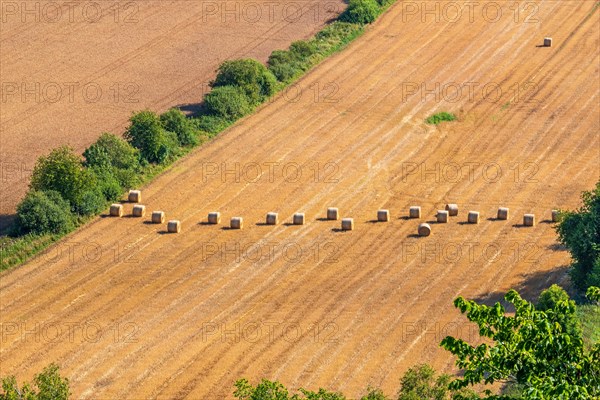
pixel 135 196
pixel 383 215
pixel 452 209
pixel 237 223
pixel 214 218
pixel 414 212
pixel 332 213
pixel 473 217
pixel 158 217
pixel 547 42
pixel 555 215
pixel 174 226
pixel 347 224
pixel 116 210
pixel 272 218
pixel 442 216
pixel 298 219
pixel 503 213
pixel 424 229
pixel 529 219
pixel 139 210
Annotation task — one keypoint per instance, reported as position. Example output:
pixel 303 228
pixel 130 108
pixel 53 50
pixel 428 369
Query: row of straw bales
pixel 333 214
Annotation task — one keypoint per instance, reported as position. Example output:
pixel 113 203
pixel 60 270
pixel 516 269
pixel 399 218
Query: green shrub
pixel 549 299
pixel 439 117
pixel 176 121
pixel 284 65
pixel 336 35
pixel 287 65
pixel 44 212
pixel 256 81
pixel 361 12
pixel 146 134
pixel 211 124
pixel 579 231
pixel 111 150
pixel 107 182
pixel 92 202
pixel 227 102
pixel 63 172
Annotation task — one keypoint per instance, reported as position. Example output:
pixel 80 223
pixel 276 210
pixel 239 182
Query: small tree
pixel 361 12
pixel 579 231
pixel 147 134
pixel 549 300
pixel 227 102
pixel 111 151
pixel 48 385
pixel 44 212
pixel 175 121
pixel 530 349
pixel 252 77
pixel 420 383
pixel 62 171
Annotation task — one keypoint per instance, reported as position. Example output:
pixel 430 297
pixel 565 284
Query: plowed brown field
pixel 131 312
pixel 72 70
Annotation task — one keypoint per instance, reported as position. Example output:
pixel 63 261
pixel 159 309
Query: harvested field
pixel 184 316
pixel 70 73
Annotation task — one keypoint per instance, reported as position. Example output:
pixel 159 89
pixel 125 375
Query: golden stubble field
pixel 72 70
pixel 131 312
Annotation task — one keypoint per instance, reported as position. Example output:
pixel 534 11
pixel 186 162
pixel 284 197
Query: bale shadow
pixel 546 221
pixel 465 223
pixel 415 235
pixel 289 224
pixel 163 232
pixel 205 223
pixel 406 218
pixel 322 219
pixel 338 230
pixel 264 224
pixel 520 226
pixel 374 221
pixel 493 219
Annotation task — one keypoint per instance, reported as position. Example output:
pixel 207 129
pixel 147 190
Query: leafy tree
pixel 420 383
pixel 361 12
pixel 211 124
pixel 62 171
pixel 227 102
pixel 579 231
pixel 530 349
pixel 48 385
pixel 252 77
pixel 44 212
pixel 269 390
pixel 549 300
pixel 176 121
pixel 374 394
pixel 111 151
pixel 147 134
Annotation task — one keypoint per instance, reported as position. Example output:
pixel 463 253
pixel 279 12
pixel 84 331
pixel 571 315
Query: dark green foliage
pixel 361 12
pixel 374 394
pixel 212 124
pixel 63 172
pixel 579 231
pixel 530 349
pixel 287 65
pixel 549 300
pixel 44 212
pixel 227 102
pixel 252 77
pixel 440 117
pixel 273 390
pixel 48 385
pixel 111 151
pixel 420 383
pixel 92 202
pixel 176 121
pixel 146 134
